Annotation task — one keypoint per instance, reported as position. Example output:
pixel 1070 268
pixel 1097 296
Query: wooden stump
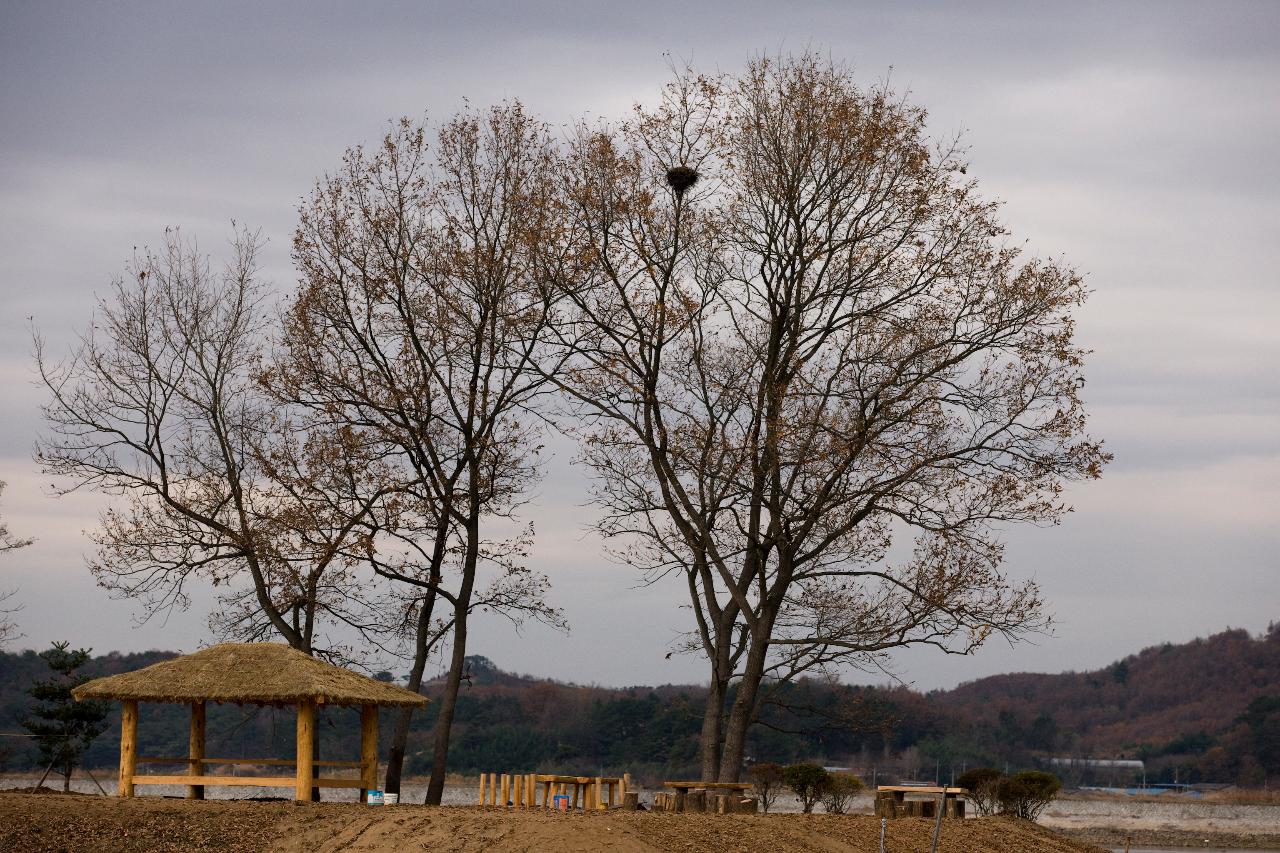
pixel 630 801
pixel 695 801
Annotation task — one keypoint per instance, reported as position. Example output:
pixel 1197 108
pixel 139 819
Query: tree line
pixel 882 733
pixel 811 375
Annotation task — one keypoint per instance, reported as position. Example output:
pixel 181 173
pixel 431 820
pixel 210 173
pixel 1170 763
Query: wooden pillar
pixel 305 754
pixel 368 750
pixel 597 799
pixel 481 801
pixel 128 746
pixel 195 750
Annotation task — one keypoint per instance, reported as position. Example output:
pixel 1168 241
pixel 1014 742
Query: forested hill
pixel 1154 697
pixel 1208 710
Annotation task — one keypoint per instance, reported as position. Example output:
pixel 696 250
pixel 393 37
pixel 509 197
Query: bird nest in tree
pixel 681 178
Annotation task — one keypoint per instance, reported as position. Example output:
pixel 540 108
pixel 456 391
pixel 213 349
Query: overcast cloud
pixel 1137 140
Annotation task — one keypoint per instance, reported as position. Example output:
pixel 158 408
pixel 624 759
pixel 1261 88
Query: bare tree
pixel 159 406
pixel 421 319
pixel 8 542
pixel 798 336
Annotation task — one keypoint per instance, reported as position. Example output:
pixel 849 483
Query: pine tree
pixel 63 727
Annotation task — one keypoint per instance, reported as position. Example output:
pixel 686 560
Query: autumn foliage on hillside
pixel 1181 705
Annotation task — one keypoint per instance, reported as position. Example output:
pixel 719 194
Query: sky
pixel 1137 141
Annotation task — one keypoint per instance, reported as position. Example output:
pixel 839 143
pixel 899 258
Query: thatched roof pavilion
pixel 248 673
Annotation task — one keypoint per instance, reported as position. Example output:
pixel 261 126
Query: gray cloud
pixel 1135 139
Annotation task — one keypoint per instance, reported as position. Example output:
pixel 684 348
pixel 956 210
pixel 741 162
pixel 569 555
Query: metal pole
pixel 95 781
pixel 937 824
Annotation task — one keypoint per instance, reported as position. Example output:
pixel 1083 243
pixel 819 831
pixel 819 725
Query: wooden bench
pixel 892 802
pixel 196 774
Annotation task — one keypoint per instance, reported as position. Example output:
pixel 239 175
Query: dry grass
pixel 267 673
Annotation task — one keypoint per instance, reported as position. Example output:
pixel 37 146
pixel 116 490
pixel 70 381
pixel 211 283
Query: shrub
pixel 840 790
pixel 1026 794
pixel 982 784
pixel 767 780
pixel 808 782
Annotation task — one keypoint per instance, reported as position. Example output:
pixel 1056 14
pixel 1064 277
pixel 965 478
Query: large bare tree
pixel 160 406
pixel 798 337
pixel 420 319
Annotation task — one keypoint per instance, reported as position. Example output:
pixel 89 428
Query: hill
pixel 1208 710
pixel 1186 705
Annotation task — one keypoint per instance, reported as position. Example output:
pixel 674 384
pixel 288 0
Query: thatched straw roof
pixel 252 673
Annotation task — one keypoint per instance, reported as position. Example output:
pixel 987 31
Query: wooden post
pixel 128 746
pixel 305 766
pixel 505 789
pixel 493 789
pixel 195 750
pixel 596 798
pixel 368 750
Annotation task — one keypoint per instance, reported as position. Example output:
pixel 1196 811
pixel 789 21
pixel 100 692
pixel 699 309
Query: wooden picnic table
pixel 697 796
pixel 891 801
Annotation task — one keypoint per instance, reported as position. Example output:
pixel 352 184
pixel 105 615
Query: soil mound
pixel 45 824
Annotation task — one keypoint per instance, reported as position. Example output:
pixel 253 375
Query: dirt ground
pixel 56 823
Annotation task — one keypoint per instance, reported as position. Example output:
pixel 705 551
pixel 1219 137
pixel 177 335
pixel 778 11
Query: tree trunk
pixel 448 702
pixel 743 713
pixel 712 730
pixel 400 736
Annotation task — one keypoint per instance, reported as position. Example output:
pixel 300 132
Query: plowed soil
pixel 54 823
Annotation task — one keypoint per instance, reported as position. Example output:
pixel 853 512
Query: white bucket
pixel 390 799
